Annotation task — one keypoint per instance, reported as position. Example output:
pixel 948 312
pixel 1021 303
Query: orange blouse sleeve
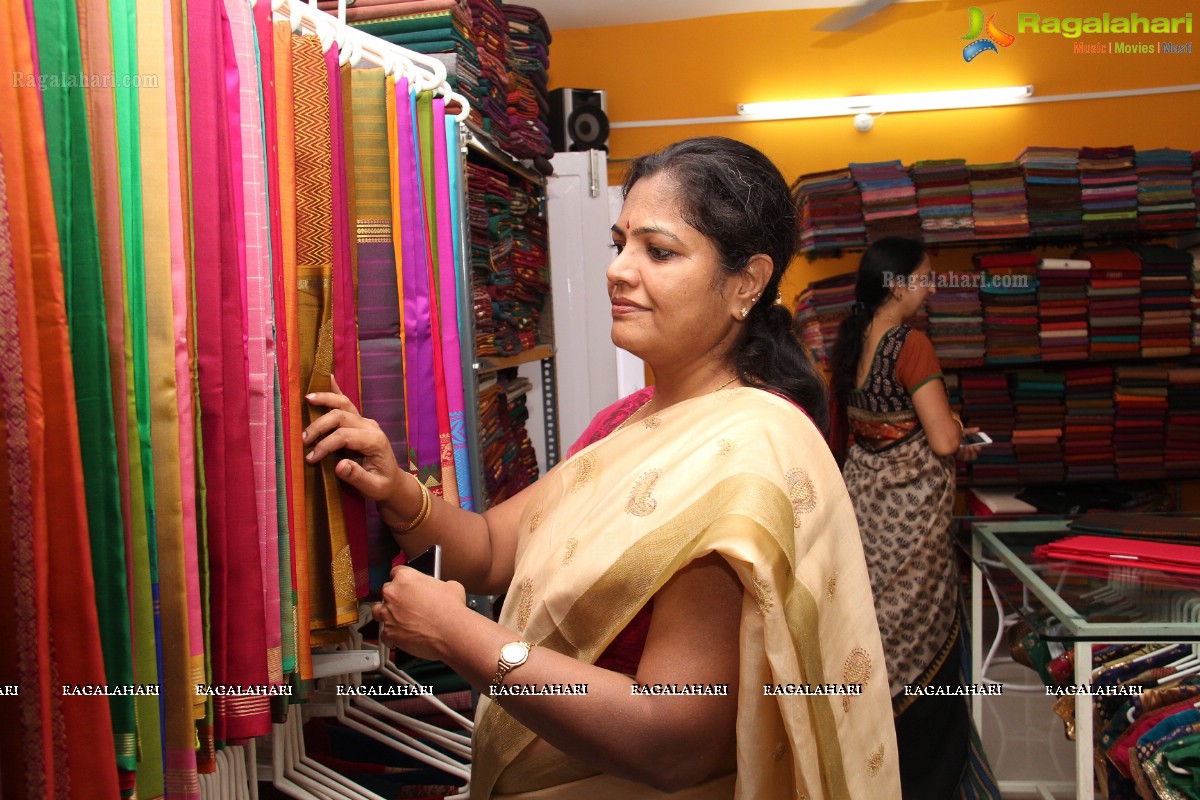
pixel 918 363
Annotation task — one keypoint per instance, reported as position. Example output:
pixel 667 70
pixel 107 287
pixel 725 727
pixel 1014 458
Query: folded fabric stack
pixel 520 307
pixel 1037 434
pixel 501 279
pixel 1166 200
pixel 998 201
pixel 440 28
pixel 489 31
pixel 1114 314
pixel 956 320
pixel 1196 183
pixel 1088 431
pixel 1063 308
pixel 1053 191
pixel 807 327
pixel 1196 303
pixel 528 97
pixel 831 211
pixel 1140 436
pixel 832 299
pixel 1110 185
pixel 1183 421
pixel 508 459
pixel 943 200
pixel 491 244
pixel 889 200
pixel 1010 315
pixel 986 404
pixel 1166 301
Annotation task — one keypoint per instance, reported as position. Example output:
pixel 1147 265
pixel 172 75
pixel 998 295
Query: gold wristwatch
pixel 512 655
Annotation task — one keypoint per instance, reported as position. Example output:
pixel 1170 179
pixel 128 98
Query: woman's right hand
pixel 377 476
pixel 969 452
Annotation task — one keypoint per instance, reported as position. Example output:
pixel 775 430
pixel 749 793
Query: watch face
pixel 514 651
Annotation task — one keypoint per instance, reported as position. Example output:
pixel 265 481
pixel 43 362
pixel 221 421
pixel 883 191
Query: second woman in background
pixel 889 394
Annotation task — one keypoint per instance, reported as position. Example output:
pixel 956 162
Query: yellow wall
pixel 705 67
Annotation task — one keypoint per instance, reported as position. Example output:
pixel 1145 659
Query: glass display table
pixel 1077 605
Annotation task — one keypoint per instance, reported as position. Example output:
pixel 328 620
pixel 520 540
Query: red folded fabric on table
pixel 1180 559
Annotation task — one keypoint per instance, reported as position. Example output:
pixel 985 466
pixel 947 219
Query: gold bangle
pixel 958 419
pixel 426 508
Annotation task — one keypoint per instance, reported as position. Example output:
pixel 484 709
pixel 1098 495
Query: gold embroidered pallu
pixel 745 474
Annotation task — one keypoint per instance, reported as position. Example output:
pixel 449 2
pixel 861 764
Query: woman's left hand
pixel 968 452
pixel 417 612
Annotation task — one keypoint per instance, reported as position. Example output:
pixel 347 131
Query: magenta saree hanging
pixel 419 381
pixel 238 634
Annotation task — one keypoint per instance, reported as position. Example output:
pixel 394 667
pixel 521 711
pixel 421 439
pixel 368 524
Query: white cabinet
pixel 586 361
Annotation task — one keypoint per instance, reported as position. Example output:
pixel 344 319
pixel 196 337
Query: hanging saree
pixel 71 174
pixel 426 158
pixel 95 33
pixel 381 350
pixel 345 277
pixel 290 384
pixel 331 583
pixel 419 382
pixel 283 399
pixel 178 694
pixel 611 525
pixel 179 210
pixel 238 633
pixel 60 746
pixel 444 233
pixel 142 541
pixel 260 340
pixel 454 223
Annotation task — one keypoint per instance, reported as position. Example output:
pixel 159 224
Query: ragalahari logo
pixel 984 37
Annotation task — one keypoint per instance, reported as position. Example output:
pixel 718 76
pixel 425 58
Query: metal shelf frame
pixel 472 365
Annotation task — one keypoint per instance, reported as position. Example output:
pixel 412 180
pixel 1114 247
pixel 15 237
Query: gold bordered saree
pixel 745 474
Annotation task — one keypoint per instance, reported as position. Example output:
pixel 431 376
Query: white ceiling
pixel 562 14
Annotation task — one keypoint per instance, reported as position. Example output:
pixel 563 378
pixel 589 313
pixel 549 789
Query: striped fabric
pixel 260 338
pixel 179 760
pixel 291 389
pixel 330 566
pixel 380 347
pixel 71 173
pixel 345 277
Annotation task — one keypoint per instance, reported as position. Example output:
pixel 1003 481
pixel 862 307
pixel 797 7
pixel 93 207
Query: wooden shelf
pixel 493 363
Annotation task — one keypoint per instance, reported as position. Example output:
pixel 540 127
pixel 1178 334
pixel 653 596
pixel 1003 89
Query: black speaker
pixel 578 120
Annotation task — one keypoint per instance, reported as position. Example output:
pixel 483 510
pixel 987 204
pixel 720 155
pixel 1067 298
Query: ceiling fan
pixel 850 16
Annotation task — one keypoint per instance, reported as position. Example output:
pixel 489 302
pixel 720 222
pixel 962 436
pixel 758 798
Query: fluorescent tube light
pixel 887 103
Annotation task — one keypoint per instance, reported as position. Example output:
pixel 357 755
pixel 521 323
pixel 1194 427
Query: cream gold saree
pixel 747 475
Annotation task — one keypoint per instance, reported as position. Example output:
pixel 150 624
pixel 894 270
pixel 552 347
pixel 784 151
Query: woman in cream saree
pixel 745 474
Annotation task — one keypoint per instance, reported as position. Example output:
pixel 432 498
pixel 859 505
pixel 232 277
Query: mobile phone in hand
pixel 976 438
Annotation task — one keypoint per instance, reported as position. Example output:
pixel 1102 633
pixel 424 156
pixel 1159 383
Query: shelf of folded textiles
pixel 1035 239
pixel 1108 360
pixel 493 363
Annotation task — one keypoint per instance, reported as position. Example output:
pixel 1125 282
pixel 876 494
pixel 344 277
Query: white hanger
pixel 425 72
pixel 357 718
pixel 463 103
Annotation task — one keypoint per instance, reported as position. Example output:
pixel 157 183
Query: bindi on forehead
pixel 626 224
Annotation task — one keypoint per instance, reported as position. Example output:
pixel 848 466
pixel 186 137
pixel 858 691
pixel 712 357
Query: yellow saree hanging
pixel 745 474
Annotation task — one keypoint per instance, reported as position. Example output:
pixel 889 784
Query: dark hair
pixel 733 195
pixel 885 261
